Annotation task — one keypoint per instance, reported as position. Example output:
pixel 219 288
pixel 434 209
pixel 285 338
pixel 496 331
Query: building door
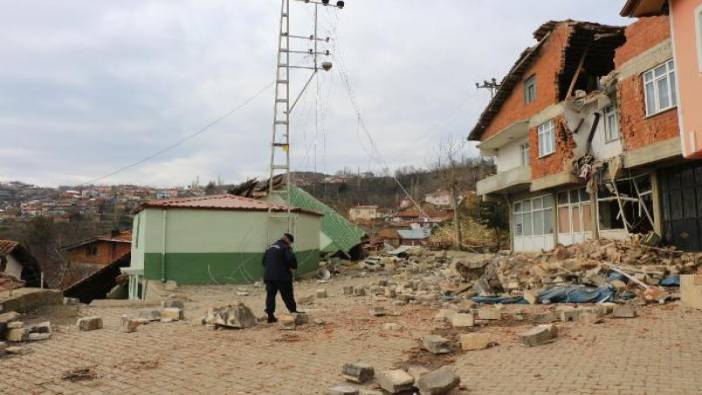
pixel 681 197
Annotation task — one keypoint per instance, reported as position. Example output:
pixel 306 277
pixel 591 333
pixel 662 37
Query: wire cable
pixel 184 139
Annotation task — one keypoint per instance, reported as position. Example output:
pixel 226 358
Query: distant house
pixel 89 256
pixel 16 261
pixel 439 198
pixel 389 236
pixel 364 213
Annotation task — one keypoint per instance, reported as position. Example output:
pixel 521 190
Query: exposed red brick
pixel 641 36
pixel 556 162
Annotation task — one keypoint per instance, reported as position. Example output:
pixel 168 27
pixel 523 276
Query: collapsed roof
pixel 597 42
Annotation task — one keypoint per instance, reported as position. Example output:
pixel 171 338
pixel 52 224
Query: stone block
pixel 16 350
pixel 545 317
pixel 39 336
pixel 301 318
pixel 444 315
pixel 439 382
pixel 321 293
pixel 590 318
pixel 474 341
pixel 358 372
pixel 691 290
pixel 395 381
pixel 89 323
pixel 287 321
pixel 348 290
pixel 172 314
pixel 392 327
pixel 150 314
pixel 390 292
pixel 377 311
pixel 15 325
pixel 489 313
pixel 417 371
pixel 172 303
pixel 129 325
pixel 359 292
pixel 624 311
pixel 3 348
pixel 569 315
pixel 462 320
pixel 366 391
pixel 541 334
pixel 436 344
pixel 342 389
pixel 17 335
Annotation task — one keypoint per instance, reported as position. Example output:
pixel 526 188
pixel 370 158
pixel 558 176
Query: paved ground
pixel 657 353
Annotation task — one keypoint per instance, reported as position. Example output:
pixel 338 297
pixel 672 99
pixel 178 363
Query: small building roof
pixel 223 202
pixel 7 246
pixel 124 236
pixel 641 8
pixel 414 234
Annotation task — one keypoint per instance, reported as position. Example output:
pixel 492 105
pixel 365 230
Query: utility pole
pixel 492 85
pixel 283 107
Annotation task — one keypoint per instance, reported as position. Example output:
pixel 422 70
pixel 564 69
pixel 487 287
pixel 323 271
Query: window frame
pixel 548 127
pixel 611 111
pixel 528 208
pixel 575 206
pixel 649 77
pixel 524 154
pixel 530 82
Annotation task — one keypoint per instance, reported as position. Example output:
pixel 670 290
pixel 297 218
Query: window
pixel 530 90
pixel 533 216
pixel 547 138
pixel 574 211
pixel 524 154
pixel 660 89
pixel 611 118
pixel 91 250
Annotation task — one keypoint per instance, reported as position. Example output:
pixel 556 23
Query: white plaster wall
pixel 601 149
pixel 13 268
pixel 509 156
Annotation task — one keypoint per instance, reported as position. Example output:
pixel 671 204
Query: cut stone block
pixel 590 318
pixel 342 389
pixel 358 372
pixel 489 313
pixel 545 317
pixel 541 334
pixel 321 293
pixel 17 335
pixel 172 302
pixel 475 341
pixel 39 336
pixel 444 315
pixel 15 325
pixel 462 320
pixel 438 382
pixel 89 323
pixel 436 344
pixel 395 381
pixel 150 314
pixel 172 313
pixel 624 311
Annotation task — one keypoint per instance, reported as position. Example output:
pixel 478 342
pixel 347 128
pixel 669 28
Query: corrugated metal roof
pixel 224 202
pixel 344 234
pixel 7 246
pixel 414 234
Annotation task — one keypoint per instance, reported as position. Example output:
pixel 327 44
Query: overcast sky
pixel 89 86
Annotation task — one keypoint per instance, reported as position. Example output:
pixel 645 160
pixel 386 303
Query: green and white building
pixel 214 240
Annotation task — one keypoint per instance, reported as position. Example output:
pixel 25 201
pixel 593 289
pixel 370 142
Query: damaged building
pixel 584 132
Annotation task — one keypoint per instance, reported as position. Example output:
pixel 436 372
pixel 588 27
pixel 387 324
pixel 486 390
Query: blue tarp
pixel 671 281
pixel 576 294
pixel 617 276
pixel 499 300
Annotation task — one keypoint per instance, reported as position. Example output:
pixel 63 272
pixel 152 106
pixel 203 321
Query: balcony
pixel 506 181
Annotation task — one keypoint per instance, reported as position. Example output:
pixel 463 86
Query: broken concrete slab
pixel 89 323
pixel 475 341
pixel 342 389
pixel 624 311
pixel 541 334
pixel 357 372
pixel 436 344
pixel 439 382
pixel 237 316
pixel 395 381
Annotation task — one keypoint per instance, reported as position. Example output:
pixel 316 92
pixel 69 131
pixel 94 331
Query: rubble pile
pixel 594 271
pixel 474 236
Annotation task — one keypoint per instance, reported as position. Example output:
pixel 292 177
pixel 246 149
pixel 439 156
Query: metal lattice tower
pixel 283 107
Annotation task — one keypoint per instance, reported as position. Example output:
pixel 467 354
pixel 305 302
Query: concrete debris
pixel 130 325
pixel 150 315
pixel 436 344
pixel 17 334
pixel 89 323
pixel 438 382
pixel 489 313
pixel 358 372
pixel 348 290
pixel 16 350
pixel 417 371
pixel 321 293
pixel 287 321
pixel 237 316
pixel 359 292
pixel 539 335
pixel 169 314
pixel 395 381
pixel 172 302
pixel 392 327
pixel 342 389
pixel 462 320
pixel 475 341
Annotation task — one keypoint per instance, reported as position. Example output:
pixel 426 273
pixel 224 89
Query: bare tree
pixel 449 160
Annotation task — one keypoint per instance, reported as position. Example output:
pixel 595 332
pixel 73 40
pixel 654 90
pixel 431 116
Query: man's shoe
pixel 272 319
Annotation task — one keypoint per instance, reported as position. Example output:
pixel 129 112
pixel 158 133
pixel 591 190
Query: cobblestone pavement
pixel 656 353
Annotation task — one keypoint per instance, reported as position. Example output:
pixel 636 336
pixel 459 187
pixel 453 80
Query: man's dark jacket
pixel 278 260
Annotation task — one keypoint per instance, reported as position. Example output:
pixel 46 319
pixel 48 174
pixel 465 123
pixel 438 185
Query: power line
pixel 184 139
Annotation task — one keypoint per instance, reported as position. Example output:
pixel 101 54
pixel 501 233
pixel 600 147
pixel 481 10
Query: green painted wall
pixel 219 268
pixel 216 246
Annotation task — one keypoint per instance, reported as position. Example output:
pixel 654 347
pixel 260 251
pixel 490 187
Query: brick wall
pixel 546 68
pixel 638 130
pixel 556 162
pixel 107 252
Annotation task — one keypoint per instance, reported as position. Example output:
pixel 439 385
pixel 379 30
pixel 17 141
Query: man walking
pixel 278 265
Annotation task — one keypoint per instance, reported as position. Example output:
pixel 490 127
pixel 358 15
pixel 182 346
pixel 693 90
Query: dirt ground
pixel 658 352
